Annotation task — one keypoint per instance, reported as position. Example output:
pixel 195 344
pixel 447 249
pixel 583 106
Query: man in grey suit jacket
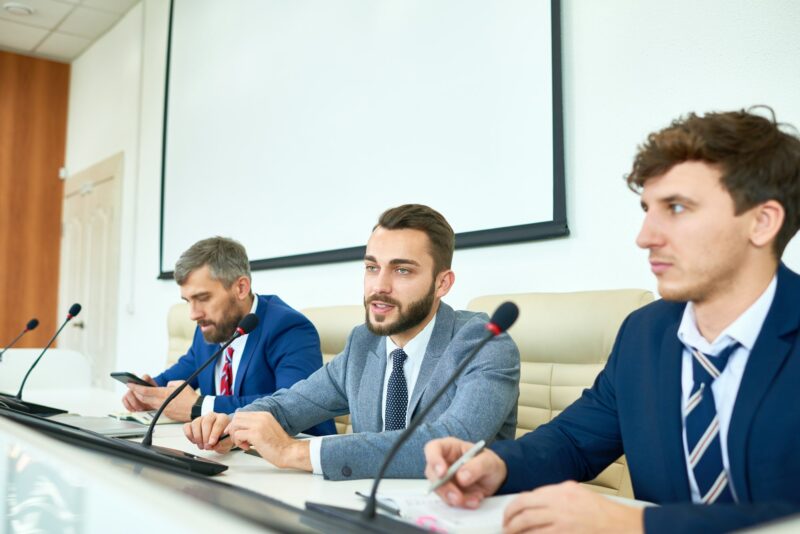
pixel 389 370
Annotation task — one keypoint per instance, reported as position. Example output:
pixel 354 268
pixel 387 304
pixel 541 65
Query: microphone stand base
pixel 13 403
pixel 354 518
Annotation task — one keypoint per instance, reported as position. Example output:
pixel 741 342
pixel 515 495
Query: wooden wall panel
pixel 33 125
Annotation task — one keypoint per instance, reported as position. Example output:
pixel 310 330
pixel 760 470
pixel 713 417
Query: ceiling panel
pixel 63 47
pixel 59 29
pixel 115 6
pixel 87 22
pixel 19 36
pixel 47 13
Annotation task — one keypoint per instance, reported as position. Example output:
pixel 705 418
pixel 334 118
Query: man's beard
pixel 407 319
pixel 225 328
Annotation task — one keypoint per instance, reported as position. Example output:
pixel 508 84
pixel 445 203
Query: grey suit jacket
pixel 481 404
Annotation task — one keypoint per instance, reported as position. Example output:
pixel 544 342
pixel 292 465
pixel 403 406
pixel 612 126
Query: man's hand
pixel 129 400
pixel 569 507
pixel 205 432
pixel 260 431
pixel 477 479
pixel 179 409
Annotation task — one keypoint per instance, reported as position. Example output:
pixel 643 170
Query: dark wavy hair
pixel 759 161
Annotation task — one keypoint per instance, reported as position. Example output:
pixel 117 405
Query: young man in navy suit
pixel 214 277
pixel 701 389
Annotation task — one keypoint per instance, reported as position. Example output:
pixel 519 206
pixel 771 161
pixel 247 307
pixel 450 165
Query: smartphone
pixel 127 378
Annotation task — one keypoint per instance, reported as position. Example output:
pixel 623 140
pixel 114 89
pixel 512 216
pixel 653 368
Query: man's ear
pixel 768 220
pixel 444 281
pixel 241 287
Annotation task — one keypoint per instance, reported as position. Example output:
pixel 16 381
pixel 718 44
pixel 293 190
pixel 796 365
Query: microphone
pixel 74 310
pixel 32 324
pixel 503 317
pixel 248 323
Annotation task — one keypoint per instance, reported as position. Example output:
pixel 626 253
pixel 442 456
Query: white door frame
pixel 82 286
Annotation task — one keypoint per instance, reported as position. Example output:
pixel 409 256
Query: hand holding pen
pixel 451 472
pixel 466 482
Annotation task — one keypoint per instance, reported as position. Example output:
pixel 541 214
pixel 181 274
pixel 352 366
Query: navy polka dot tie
pixel 396 394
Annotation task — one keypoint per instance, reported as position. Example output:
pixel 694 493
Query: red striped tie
pixel 226 381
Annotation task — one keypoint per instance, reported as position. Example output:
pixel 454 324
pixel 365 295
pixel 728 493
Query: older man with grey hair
pixel 214 278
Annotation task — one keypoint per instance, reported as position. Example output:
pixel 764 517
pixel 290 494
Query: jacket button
pixel 346 471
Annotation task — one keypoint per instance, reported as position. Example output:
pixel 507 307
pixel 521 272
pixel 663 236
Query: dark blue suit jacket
pixel 634 407
pixel 283 349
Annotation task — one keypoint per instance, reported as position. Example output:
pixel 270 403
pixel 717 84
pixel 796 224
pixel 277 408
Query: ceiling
pixel 59 30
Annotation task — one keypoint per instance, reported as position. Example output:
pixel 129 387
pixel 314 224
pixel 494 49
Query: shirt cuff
pixel 208 405
pixel 315 451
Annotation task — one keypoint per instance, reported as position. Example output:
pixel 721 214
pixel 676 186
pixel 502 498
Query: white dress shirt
pixel 744 330
pixel 238 349
pixel 415 352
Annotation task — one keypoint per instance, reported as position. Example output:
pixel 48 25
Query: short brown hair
pixel 758 160
pixel 428 220
pixel 226 259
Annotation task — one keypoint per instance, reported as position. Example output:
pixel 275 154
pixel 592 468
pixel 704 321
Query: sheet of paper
pixel 431 513
pixel 144 418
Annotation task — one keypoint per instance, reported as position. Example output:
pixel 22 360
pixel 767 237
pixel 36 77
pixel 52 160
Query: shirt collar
pixel 417 346
pixel 744 329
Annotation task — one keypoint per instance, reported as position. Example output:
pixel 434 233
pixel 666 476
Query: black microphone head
pixel 74 310
pixel 248 323
pixel 33 323
pixel 503 317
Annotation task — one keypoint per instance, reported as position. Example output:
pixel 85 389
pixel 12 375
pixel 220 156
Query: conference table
pixel 139 505
pixel 92 492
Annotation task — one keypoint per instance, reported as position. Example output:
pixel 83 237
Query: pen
pixel 466 457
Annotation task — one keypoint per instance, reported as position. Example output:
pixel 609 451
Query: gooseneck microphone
pixel 503 317
pixel 248 323
pixel 74 310
pixel 32 324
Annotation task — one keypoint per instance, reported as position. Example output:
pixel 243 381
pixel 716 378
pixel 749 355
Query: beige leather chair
pixel 180 331
pixel 564 340
pixel 334 324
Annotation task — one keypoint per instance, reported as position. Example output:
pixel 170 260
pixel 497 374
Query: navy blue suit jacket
pixel 283 349
pixel 634 407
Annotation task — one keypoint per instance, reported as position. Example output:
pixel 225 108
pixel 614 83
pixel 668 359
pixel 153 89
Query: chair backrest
pixel 180 331
pixel 334 324
pixel 564 340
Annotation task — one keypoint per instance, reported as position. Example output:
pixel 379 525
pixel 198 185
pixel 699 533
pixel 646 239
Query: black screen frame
pixel 555 228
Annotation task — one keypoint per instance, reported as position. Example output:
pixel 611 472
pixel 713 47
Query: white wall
pixel 630 66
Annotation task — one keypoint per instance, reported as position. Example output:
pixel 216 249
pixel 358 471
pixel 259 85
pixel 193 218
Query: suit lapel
pixel 669 412
pixel 253 339
pixel 371 388
pixel 769 352
pixel 440 338
pixel 206 377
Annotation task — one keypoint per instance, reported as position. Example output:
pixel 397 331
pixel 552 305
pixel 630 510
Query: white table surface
pixel 251 472
pixel 256 474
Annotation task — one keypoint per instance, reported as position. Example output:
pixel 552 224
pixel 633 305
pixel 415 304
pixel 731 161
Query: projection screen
pixel 291 125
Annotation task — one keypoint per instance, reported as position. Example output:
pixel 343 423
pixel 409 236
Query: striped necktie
pixel 396 394
pixel 702 428
pixel 226 382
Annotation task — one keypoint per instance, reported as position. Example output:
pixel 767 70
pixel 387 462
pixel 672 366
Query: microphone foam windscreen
pixel 75 309
pixel 33 323
pixel 248 323
pixel 505 315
